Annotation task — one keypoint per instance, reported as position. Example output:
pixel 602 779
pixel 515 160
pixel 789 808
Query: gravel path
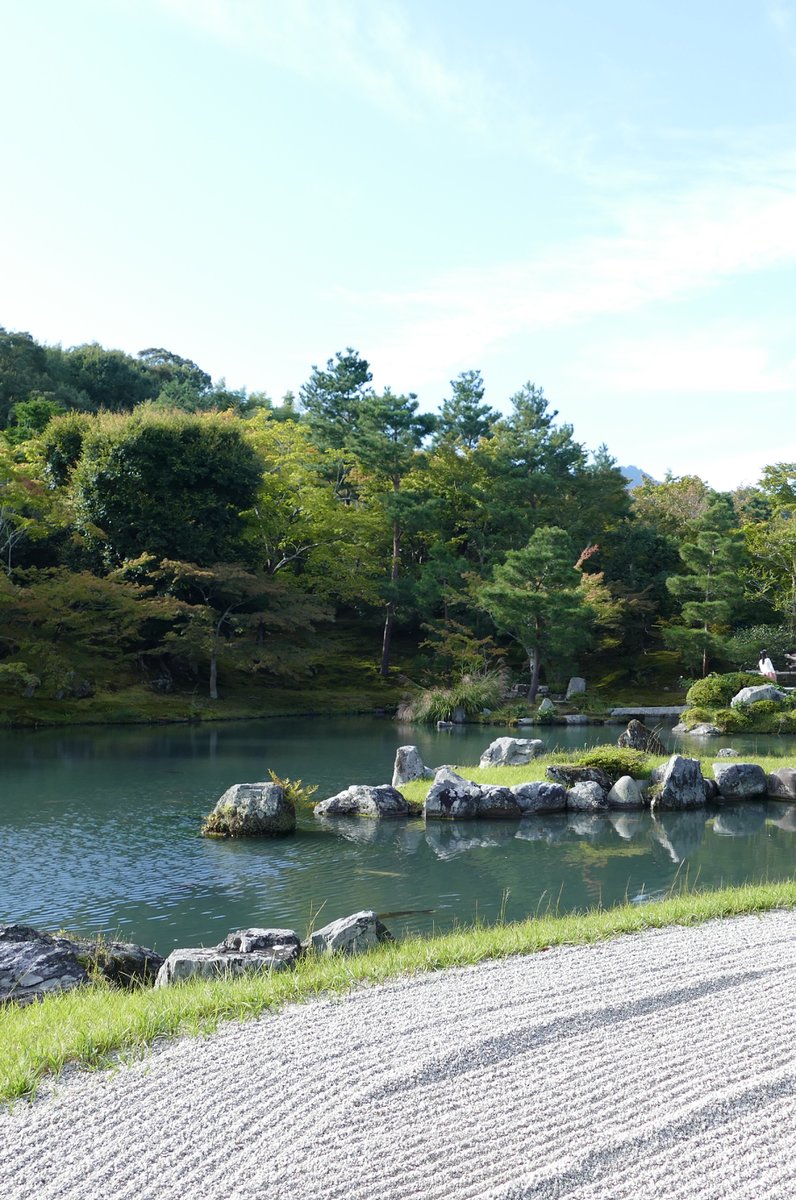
pixel 661 1065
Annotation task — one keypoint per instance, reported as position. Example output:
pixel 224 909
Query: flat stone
pixel 248 941
pixel 213 963
pixel 511 752
pixel 361 800
pixel 728 752
pixel 704 729
pixel 751 695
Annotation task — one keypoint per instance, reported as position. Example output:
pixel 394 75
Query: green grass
pixel 94 1026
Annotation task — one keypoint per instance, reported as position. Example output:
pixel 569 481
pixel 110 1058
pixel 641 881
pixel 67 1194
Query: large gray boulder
pixel 451 796
pixel 627 793
pixel 33 964
pixel 762 691
pixel 639 736
pixel 498 803
pixel 409 766
pixel 781 783
pixel 511 752
pixel 540 797
pixel 587 796
pixel 576 686
pixel 350 935
pixel 547 708
pixel 704 729
pixel 246 952
pixel 740 781
pixel 361 800
pixel 252 810
pixel 681 784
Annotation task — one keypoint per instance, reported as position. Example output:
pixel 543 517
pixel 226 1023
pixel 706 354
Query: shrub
pixel 471 693
pixel 762 708
pixel 616 761
pixel 732 720
pixel 716 690
pixel 696 716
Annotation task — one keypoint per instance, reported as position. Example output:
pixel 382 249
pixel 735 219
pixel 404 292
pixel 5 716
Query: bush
pixel 716 690
pixel 732 720
pixel 616 761
pixel 696 716
pixel 762 708
pixel 471 693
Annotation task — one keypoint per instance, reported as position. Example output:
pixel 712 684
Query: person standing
pixel 766 666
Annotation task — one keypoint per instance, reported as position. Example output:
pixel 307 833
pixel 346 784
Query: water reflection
pixel 680 833
pixel 740 820
pixel 99 831
pixel 449 839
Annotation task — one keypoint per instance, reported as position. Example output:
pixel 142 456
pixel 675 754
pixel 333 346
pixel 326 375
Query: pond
pixel 99 833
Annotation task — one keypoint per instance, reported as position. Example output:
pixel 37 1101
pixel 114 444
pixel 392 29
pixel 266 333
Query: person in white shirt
pixel 766 666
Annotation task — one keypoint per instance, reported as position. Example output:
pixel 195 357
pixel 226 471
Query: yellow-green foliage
pixel 715 691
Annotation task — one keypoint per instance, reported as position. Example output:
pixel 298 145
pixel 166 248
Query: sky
pixel 598 196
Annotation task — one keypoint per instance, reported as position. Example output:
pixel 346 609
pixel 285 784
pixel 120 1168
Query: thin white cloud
pixel 663 250
pixel 726 364
pixel 363 47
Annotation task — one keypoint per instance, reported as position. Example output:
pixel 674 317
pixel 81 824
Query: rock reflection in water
pixel 596 828
pixel 368 830
pixel 538 828
pixel 740 820
pixel 449 839
pixel 630 825
pixel 782 815
pixel 680 833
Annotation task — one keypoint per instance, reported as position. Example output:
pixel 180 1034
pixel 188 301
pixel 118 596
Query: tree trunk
pixel 214 671
pixel 534 664
pixel 389 620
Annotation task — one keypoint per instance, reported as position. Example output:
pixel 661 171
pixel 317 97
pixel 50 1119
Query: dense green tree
pixel 165 483
pixel 389 433
pixel 710 589
pixel 535 597
pixel 23 370
pixel 108 379
pixel 672 506
pixel 464 419
pixel 331 398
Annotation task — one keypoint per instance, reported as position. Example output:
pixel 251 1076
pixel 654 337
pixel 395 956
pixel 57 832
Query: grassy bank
pixel 93 1026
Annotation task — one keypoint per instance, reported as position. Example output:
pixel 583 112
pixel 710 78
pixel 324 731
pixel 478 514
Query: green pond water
pixel 99 833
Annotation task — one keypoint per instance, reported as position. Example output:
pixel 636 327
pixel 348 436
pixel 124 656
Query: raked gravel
pixel 656 1065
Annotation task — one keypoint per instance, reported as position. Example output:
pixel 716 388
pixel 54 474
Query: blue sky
pixel 599 197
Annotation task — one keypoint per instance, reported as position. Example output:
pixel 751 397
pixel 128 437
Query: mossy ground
pixel 97 1025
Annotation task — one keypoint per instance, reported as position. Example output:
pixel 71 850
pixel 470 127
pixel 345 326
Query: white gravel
pixel 661 1065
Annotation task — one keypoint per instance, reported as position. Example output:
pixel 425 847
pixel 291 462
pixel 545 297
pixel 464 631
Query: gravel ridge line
pixel 660 1064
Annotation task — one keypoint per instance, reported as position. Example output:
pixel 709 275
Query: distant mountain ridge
pixel 635 476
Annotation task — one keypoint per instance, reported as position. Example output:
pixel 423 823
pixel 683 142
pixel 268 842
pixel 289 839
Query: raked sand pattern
pixel 660 1065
